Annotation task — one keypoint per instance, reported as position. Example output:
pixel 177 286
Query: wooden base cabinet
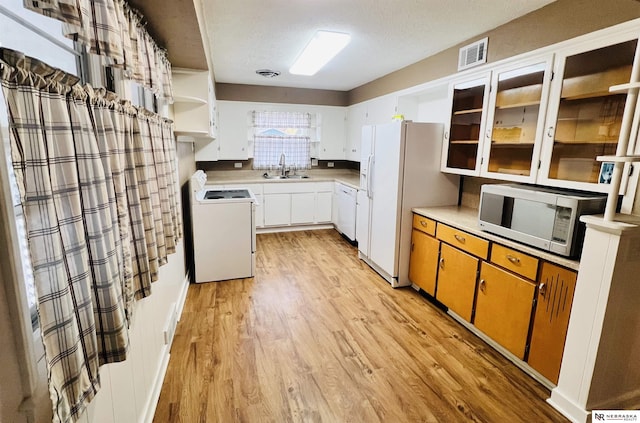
pixel 503 308
pixel 457 280
pixel 555 296
pixel 423 264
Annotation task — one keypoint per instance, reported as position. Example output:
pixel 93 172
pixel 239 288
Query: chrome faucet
pixel 283 172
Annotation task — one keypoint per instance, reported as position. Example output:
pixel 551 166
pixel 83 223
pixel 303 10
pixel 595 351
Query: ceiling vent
pixel 267 73
pixel 473 54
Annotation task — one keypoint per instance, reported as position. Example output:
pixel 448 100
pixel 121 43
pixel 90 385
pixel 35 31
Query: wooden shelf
pixel 526 144
pixel 570 142
pixel 467 111
pixel 519 97
pixel 516 105
pixel 595 84
pixel 463 142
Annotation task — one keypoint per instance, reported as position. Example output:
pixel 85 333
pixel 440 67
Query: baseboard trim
pixel 272 229
pixel 182 296
pixel 157 387
pixel 568 408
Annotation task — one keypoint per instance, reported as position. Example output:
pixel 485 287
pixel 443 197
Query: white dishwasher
pixel 346 221
pixel 224 234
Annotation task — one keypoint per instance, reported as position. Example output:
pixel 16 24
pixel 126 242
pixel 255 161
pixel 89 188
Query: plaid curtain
pixel 111 28
pixel 91 174
pixel 277 133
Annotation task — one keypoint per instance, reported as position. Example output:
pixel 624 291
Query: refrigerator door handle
pixel 370 175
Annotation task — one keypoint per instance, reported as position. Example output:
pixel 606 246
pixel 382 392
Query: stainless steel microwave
pixel 545 218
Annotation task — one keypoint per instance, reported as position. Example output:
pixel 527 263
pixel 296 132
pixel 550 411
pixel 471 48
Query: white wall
pixel 130 389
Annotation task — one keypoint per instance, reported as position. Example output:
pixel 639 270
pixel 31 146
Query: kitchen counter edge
pixel 466 219
pixel 351 179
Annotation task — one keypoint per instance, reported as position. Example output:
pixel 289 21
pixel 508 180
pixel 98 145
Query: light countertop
pixel 465 218
pixel 345 176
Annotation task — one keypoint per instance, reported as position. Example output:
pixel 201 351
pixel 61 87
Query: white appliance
pixel 399 170
pixel 346 221
pixel 224 231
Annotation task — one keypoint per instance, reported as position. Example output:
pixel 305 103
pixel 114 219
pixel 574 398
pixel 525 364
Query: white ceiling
pixel 386 35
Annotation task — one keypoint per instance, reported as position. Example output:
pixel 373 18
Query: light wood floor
pixel 317 336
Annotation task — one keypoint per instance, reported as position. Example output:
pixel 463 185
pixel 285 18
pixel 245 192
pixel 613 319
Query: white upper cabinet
pixel 462 147
pixel 584 117
pixel 515 120
pixel 373 112
pixel 356 118
pixel 333 132
pixel 194 107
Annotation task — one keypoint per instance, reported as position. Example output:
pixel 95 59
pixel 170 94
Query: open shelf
pixel 595 84
pixel 525 144
pixel 467 111
pixel 463 142
pixel 189 99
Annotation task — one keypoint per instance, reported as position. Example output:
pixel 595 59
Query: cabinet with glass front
pixel 516 120
pixel 585 117
pixel 462 143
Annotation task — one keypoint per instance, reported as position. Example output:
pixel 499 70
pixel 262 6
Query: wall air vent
pixel 473 54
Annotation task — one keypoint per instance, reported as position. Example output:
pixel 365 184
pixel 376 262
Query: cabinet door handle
pixel 446 135
pixel 483 285
pixel 459 238
pixel 488 134
pixel 412 246
pixel 424 223
pixel 550 132
pixel 442 263
pixel 543 289
pixel 513 259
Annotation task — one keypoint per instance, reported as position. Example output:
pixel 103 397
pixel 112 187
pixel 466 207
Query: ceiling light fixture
pixel 323 47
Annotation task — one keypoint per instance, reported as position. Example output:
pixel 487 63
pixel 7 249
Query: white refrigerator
pixel 399 170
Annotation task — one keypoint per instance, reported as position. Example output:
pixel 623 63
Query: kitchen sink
pixel 267 176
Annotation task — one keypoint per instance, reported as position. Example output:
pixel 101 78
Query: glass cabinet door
pixel 516 121
pixel 588 117
pixel 462 147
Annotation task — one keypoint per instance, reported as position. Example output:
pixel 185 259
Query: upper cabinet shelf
pixel 584 120
pixel 461 149
pixel 189 99
pixel 596 84
pixel 194 107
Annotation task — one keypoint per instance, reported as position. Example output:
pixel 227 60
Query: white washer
pixel 224 235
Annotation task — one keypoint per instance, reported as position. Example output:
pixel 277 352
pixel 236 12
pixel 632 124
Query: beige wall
pixel 260 93
pixel 559 21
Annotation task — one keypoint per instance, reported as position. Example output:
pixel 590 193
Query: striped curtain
pixel 97 185
pixel 111 28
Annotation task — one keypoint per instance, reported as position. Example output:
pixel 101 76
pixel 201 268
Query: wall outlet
pixel 237 165
pixel 329 164
pixel 314 162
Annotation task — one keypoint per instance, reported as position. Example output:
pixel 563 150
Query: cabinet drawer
pixel 520 263
pixel 424 224
pixel 282 187
pixel 472 244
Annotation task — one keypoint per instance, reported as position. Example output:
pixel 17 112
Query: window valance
pixel 113 29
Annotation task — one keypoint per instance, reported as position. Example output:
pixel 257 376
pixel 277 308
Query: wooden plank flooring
pixel 317 336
